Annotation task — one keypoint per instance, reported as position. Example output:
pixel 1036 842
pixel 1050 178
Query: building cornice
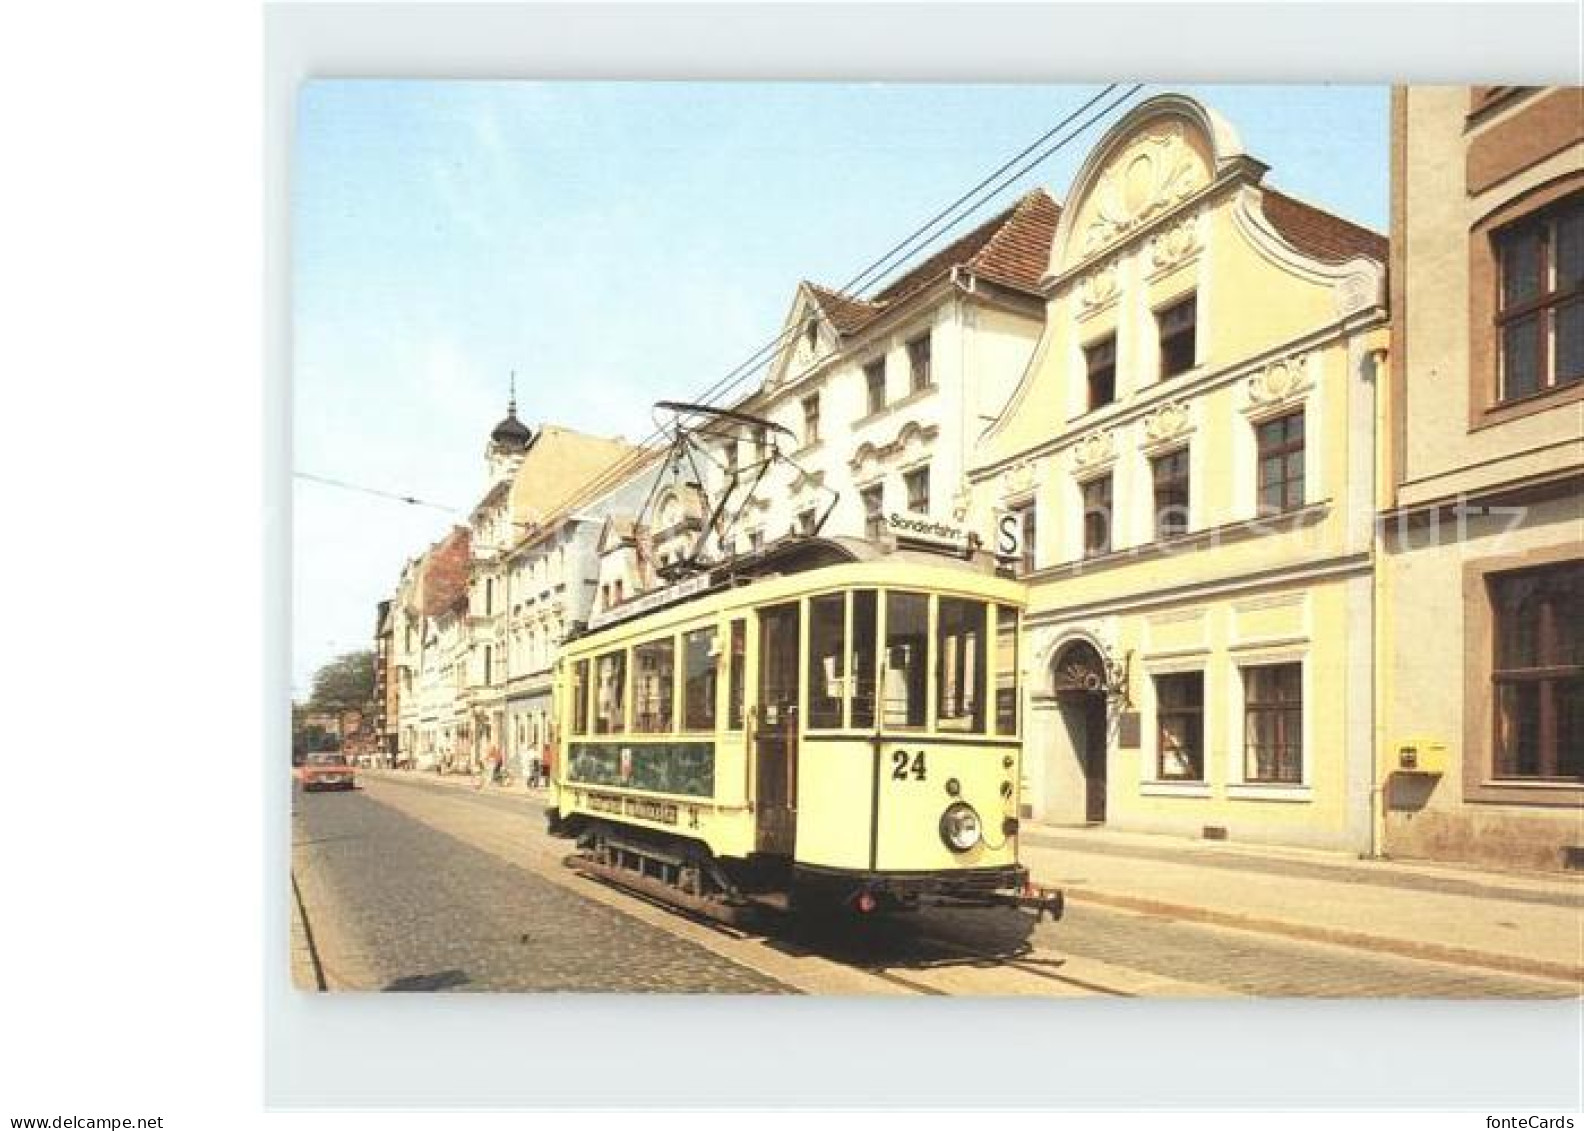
pixel 1316 569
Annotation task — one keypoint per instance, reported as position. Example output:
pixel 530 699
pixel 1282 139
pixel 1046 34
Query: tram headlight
pixel 960 826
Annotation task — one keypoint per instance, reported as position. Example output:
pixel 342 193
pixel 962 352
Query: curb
pixel 1358 940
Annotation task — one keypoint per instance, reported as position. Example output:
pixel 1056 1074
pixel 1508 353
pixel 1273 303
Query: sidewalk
pixel 458 781
pixel 1525 923
pixel 1517 922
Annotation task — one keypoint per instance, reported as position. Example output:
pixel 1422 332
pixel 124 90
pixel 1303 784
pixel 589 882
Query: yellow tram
pixel 829 723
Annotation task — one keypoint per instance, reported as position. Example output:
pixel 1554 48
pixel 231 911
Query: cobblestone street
pixel 409 883
pixel 430 912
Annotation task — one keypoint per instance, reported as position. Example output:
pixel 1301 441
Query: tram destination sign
pixel 649 602
pixel 931 532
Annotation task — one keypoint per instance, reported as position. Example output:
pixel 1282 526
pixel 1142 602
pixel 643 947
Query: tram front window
pixel 827 654
pixel 864 625
pixel 906 659
pixel 737 673
pixel 1006 670
pixel 960 656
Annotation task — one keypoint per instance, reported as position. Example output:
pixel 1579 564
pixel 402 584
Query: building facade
pixel 387 705
pixel 574 482
pixel 440 724
pixel 406 638
pixel 1483 530
pixel 1189 462
pixel 880 397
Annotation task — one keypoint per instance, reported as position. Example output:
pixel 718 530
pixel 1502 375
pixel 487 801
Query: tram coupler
pixel 1041 901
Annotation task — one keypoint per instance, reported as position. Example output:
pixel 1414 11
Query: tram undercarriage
pixel 685 875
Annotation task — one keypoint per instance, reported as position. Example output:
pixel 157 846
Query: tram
pixel 830 723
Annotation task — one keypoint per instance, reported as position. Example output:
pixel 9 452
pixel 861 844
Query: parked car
pixel 327 771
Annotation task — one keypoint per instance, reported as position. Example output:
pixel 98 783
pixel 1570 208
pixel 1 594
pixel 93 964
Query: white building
pixel 884 395
pixel 570 484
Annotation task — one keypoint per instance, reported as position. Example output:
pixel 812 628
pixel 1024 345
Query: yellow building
pixel 1190 456
pixel 1482 650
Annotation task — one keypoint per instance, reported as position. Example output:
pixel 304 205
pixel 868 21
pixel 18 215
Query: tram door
pixel 776 731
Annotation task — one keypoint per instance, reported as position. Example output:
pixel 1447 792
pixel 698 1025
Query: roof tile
pixel 1318 233
pixel 1011 248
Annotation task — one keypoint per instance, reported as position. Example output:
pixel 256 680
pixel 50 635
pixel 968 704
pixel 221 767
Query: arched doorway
pixel 1079 680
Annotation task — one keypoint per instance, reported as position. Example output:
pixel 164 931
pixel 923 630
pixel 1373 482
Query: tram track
pixel 922 954
pixel 919 952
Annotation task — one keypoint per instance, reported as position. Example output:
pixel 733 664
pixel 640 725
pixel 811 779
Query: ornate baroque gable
pixel 1156 170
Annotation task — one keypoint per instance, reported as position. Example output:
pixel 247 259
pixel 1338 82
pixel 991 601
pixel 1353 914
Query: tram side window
pixel 864 626
pixel 610 691
pixel 827 656
pixel 906 659
pixel 1006 705
pixel 654 684
pixel 698 649
pixel 960 660
pixel 580 698
pixel 737 673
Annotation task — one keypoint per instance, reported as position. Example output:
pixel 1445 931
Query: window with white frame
pixel 1100 372
pixel 875 385
pixel 918 352
pixel 1178 332
pixel 811 420
pixel 1097 510
pixel 1273 723
pixel 1179 726
pixel 1169 474
pixel 917 484
pixel 873 499
pixel 1280 444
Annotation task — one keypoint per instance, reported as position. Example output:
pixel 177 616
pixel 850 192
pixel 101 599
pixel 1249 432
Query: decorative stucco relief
pixel 1175 244
pixel 1170 422
pixel 1094 451
pixel 1097 288
pixel 911 443
pixel 1050 642
pixel 1280 382
pixel 1157 171
pixel 1356 292
pixel 1018 480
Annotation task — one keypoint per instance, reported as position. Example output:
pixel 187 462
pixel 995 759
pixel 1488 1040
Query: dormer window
pixel 811 335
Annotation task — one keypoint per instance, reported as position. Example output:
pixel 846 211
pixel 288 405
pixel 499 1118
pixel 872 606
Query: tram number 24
pixel 905 765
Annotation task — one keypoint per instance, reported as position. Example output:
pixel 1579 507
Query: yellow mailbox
pixel 1420 756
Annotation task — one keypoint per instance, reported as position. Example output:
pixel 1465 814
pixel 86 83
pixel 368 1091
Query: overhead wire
pixel 989 186
pixel 411 500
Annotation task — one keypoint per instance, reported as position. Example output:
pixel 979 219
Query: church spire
pixel 512 432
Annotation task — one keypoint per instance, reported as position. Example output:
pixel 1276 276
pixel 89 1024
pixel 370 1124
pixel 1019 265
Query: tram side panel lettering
pixel 644 809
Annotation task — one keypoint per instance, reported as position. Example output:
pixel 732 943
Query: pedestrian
pixel 489 769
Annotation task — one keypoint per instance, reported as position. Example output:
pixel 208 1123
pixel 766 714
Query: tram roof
pixel 802 554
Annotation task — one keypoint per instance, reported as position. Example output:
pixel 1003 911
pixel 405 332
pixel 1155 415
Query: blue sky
pixel 620 243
